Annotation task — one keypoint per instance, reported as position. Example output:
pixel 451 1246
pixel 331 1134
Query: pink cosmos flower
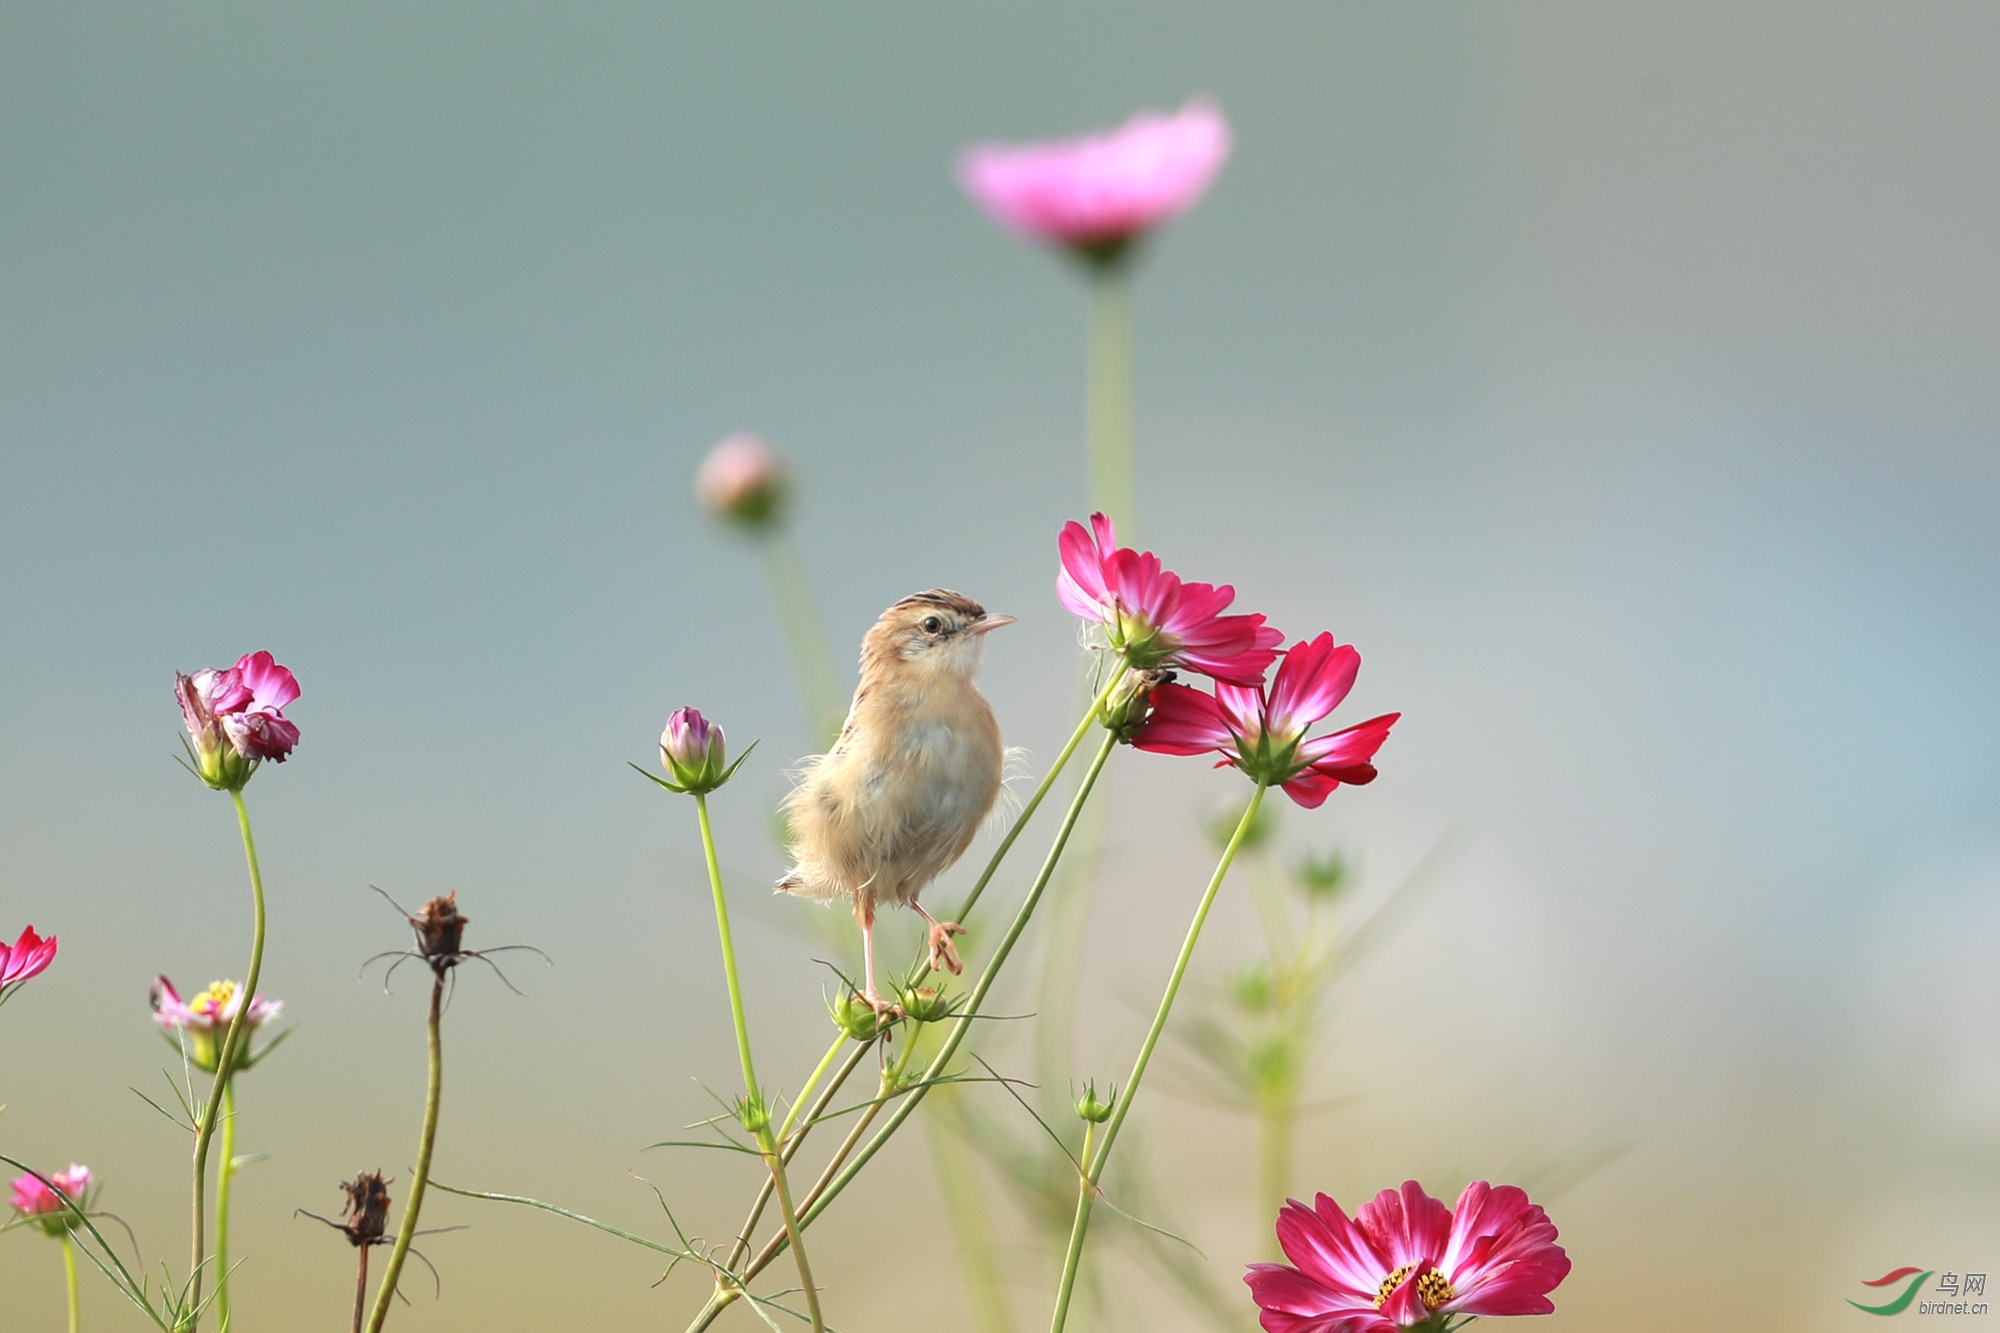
pixel 1407 1260
pixel 1097 193
pixel 1151 617
pixel 743 479
pixel 693 753
pixel 1264 733
pixel 236 718
pixel 33 1199
pixel 28 956
pixel 205 1019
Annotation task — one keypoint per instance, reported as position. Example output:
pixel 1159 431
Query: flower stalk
pixel 1094 1164
pixel 225 1064
pixel 69 1281
pixel 225 1176
pixel 433 1089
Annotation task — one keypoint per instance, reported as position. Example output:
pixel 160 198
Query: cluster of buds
pixel 28 956
pixel 200 1024
pixel 236 719
pixel 49 1212
pixel 744 481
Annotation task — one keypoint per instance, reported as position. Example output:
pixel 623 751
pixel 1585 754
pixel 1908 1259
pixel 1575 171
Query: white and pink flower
pixel 203 1020
pixel 33 1199
pixel 236 718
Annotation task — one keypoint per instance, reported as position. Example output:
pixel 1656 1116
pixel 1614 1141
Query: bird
pixel 914 773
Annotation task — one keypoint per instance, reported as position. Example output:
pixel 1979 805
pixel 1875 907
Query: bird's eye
pixel 932 624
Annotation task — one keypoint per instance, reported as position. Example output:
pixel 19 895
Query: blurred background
pixel 1620 380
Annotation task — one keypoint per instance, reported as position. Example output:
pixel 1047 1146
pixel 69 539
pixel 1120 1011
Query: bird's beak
pixel 985 623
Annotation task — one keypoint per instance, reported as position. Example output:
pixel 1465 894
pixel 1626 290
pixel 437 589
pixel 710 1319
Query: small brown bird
pixel 917 766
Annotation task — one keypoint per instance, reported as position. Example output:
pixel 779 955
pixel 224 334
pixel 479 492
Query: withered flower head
pixel 440 929
pixel 367 1209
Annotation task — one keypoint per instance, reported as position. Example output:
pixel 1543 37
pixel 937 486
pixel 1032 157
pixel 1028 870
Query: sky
pixel 1617 378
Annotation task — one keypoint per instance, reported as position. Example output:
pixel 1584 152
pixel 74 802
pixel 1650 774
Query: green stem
pixel 776 1162
pixel 1277 1115
pixel 1095 1166
pixel 823 1194
pixel 805 635
pixel 420 1176
pixel 799 1102
pixel 728 949
pixel 1110 396
pixel 225 1176
pixel 69 1278
pixel 225 1066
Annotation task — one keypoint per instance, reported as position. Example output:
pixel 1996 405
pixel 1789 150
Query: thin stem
pixel 226 1064
pixel 1110 396
pixel 830 1185
pixel 757 1116
pixel 798 1103
pixel 728 948
pixel 805 635
pixel 69 1278
pixel 225 1176
pixel 420 1176
pixel 1277 1115
pixel 1095 1172
pixel 361 1288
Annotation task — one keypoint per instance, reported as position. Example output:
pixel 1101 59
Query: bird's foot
pixel 944 954
pixel 884 1009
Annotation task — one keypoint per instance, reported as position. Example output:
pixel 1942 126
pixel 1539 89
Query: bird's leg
pixel 864 915
pixel 944 956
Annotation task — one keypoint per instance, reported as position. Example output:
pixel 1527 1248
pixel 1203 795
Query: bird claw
pixel 884 1009
pixel 944 955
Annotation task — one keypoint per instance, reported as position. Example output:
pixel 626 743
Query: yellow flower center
pixel 1433 1289
pixel 214 1002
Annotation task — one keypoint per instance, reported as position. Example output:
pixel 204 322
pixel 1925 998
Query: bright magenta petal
pixel 1183 721
pixel 1407 1225
pixel 1312 680
pixel 271 686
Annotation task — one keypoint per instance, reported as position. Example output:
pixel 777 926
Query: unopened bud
pixel 743 481
pixel 1323 877
pixel 693 753
pixel 856 1017
pixel 924 1004
pixel 1089 1109
pixel 1132 702
pixel 1221 822
pixel 753 1114
pixel 1253 988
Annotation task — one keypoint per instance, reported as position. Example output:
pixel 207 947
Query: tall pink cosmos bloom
pixel 1264 732
pixel 744 480
pixel 1406 1260
pixel 204 1019
pixel 236 718
pixel 28 956
pixel 1097 193
pixel 1151 617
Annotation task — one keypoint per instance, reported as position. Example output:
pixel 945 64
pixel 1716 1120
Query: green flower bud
pixel 856 1017
pixel 1322 877
pixel 1088 1108
pixel 924 1005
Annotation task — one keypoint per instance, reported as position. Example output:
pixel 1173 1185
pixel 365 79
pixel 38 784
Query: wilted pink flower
pixel 236 718
pixel 1406 1259
pixel 1265 734
pixel 1097 193
pixel 743 479
pixel 34 1199
pixel 205 1019
pixel 1151 617
pixel 26 957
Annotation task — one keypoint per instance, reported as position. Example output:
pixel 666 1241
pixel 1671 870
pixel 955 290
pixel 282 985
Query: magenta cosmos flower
pixel 35 1200
pixel 236 718
pixel 204 1020
pixel 28 956
pixel 1152 618
pixel 1098 193
pixel 743 480
pixel 1264 733
pixel 1407 1261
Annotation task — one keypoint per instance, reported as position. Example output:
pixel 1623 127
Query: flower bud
pixel 1221 821
pixel 753 1114
pixel 1089 1109
pixel 743 481
pixel 924 1004
pixel 43 1207
pixel 236 719
pixel 691 748
pixel 1131 703
pixel 1323 877
pixel 1254 988
pixel 856 1017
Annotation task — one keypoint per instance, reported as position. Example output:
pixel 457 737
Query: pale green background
pixel 1620 378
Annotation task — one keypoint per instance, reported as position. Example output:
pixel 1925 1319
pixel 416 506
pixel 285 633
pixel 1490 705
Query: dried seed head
pixel 440 929
pixel 367 1209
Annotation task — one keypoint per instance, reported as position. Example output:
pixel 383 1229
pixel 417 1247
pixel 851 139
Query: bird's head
pixel 929 634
